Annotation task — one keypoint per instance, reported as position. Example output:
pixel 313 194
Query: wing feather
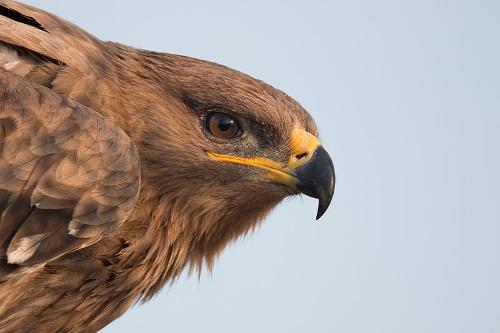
pixel 52 52
pixel 68 175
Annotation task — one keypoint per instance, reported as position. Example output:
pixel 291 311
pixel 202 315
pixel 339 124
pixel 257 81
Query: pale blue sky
pixel 407 98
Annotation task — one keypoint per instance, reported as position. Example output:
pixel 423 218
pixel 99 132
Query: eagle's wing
pixel 67 175
pixel 52 52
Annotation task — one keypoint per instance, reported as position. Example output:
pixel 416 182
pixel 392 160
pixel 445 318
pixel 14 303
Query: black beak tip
pixel 325 196
pixel 324 201
pixel 317 179
pixel 321 211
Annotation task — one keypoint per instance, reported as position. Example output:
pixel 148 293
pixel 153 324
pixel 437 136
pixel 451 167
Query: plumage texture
pixel 106 190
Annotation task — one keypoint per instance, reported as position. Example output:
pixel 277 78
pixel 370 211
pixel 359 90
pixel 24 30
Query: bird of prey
pixel 120 168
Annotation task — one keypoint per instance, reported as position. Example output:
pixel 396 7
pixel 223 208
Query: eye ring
pixel 222 125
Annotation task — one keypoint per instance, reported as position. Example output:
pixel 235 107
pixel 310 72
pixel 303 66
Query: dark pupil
pixel 225 124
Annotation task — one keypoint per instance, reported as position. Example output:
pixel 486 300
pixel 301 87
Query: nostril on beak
pixel 301 155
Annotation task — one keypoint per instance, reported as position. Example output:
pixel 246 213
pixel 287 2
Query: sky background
pixel 407 98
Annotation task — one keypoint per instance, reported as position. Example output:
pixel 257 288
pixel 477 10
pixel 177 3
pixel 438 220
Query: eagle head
pixel 224 148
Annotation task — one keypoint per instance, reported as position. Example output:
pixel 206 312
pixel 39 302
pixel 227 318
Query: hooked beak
pixel 309 169
pixel 316 179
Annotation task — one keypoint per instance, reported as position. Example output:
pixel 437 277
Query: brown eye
pixel 222 125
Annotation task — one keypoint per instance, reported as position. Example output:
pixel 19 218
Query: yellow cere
pixel 302 142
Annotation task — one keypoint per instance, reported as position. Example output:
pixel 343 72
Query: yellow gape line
pixel 302 143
